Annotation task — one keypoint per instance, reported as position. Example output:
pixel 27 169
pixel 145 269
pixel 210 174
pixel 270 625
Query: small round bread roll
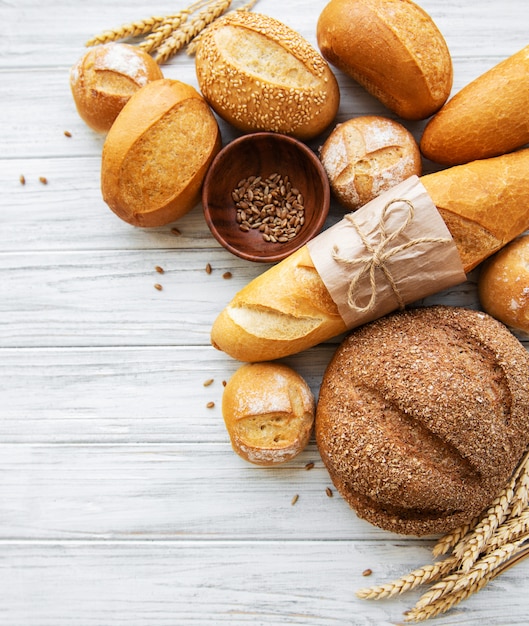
pixel 367 155
pixel 268 410
pixel 504 285
pixel 423 417
pixel 104 79
pixel 157 153
pixel 260 75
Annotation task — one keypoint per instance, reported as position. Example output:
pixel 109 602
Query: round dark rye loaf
pixel 423 416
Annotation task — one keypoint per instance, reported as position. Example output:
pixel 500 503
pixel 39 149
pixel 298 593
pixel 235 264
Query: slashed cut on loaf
pixel 423 416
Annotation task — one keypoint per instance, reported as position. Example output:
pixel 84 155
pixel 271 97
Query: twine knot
pixel 379 254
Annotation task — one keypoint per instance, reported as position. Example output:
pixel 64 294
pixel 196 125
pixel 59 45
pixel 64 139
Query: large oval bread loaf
pixel 488 117
pixel 423 416
pixel 393 49
pixel 156 155
pixel 259 74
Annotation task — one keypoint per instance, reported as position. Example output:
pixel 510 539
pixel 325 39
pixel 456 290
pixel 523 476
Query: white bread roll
pixel 268 410
pixel 486 118
pixel 260 75
pixel 104 78
pixel 156 155
pixel 288 309
pixel 367 155
pixel 503 285
pixel 393 49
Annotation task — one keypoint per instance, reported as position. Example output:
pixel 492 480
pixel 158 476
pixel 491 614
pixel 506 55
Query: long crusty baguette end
pixel 287 309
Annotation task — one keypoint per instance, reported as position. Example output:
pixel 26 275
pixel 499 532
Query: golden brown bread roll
pixel 423 416
pixel 367 155
pixel 486 118
pixel 104 79
pixel 503 285
pixel 156 155
pixel 259 74
pixel 393 49
pixel 268 410
pixel 288 309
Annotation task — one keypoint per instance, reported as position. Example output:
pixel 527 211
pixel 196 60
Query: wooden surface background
pixel 121 501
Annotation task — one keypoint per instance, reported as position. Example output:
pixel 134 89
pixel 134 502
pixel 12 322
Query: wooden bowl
pixel 264 154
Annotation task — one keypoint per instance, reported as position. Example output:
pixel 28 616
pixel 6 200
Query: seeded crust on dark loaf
pixel 423 416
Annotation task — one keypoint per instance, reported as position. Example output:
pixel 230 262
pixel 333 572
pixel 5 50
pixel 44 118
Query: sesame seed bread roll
pixel 486 118
pixel 423 417
pixel 268 409
pixel 503 285
pixel 393 49
pixel 156 155
pixel 260 75
pixel 288 309
pixel 104 79
pixel 367 155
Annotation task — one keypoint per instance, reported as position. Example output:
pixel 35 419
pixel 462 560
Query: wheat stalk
pixel 419 576
pixel 521 494
pixel 188 31
pixel 159 34
pixel 131 29
pixel 452 538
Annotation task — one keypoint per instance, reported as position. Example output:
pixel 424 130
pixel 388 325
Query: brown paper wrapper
pixel 393 251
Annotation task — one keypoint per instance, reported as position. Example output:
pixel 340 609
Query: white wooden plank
pixel 202 583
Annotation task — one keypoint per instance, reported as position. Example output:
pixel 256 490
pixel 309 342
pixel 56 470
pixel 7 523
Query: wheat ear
pixel 131 29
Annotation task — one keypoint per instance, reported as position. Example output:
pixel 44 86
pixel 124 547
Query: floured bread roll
pixel 268 410
pixel 367 155
pixel 423 416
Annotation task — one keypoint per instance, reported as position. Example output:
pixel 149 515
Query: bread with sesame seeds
pixel 423 416
pixel 260 75
pixel 393 49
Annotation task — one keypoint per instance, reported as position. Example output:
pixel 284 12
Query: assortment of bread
pixel 104 79
pixel 268 410
pixel 503 285
pixel 366 156
pixel 408 404
pixel 393 49
pixel 259 74
pixel 423 416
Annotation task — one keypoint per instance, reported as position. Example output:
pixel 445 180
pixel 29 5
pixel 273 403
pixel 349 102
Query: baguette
pixel 486 118
pixel 288 309
pixel 393 49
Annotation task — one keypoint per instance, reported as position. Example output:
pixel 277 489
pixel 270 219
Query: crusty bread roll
pixel 288 309
pixel 156 155
pixel 259 74
pixel 486 118
pixel 423 416
pixel 367 155
pixel 104 78
pixel 268 410
pixel 393 49
pixel 503 285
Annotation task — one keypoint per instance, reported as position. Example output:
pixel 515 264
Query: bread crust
pixel 503 285
pixel 260 75
pixel 423 416
pixel 156 155
pixel 268 410
pixel 367 155
pixel 104 79
pixel 393 49
pixel 487 118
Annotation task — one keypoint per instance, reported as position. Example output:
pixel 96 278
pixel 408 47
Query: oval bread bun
pixel 367 155
pixel 423 417
pixel 393 49
pixel 503 285
pixel 268 410
pixel 104 79
pixel 260 75
pixel 156 155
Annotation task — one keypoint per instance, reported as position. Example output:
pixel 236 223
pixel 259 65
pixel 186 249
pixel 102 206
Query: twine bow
pixel 379 255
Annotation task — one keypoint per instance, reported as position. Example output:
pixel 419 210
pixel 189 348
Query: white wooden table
pixel 121 501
